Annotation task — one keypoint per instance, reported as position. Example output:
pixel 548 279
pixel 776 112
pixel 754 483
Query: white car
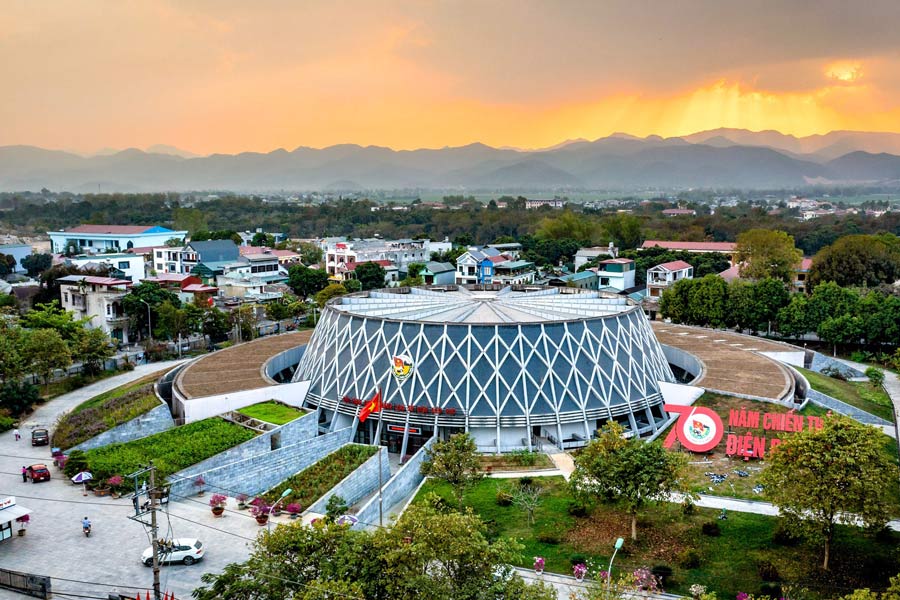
pixel 183 550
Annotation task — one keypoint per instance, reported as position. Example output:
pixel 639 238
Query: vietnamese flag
pixel 373 405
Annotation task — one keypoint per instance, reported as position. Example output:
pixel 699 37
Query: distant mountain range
pixel 717 158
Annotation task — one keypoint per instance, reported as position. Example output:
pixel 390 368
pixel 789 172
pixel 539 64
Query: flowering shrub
pixel 81 425
pixel 199 481
pixel 579 570
pixel 260 509
pixel 538 563
pixel 115 481
pixel 646 580
pixel 241 498
pixel 24 520
pixel 218 500
pixel 697 590
pixel 293 508
pixel 742 596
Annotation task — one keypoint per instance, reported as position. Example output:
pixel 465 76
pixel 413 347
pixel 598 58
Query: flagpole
pixel 380 506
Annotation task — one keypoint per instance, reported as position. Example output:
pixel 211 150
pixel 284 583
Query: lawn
pixel 272 412
pixel 727 564
pixel 171 451
pixel 859 394
pixel 313 482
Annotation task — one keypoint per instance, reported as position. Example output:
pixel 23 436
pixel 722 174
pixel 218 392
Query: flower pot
pixel 262 519
pixel 294 516
pixel 538 571
pixel 276 512
pixel 242 506
pixel 116 495
pixel 200 493
pixel 101 491
pixel 21 532
pixel 217 511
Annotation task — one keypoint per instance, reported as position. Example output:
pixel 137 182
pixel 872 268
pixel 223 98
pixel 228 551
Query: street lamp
pixel 149 329
pixel 619 543
pixel 284 495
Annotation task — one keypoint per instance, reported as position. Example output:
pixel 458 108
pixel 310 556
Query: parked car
pixel 183 550
pixel 38 473
pixel 40 437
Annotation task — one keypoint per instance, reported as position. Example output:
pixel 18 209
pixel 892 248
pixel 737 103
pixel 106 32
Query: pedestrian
pixel 24 474
pixel 16 433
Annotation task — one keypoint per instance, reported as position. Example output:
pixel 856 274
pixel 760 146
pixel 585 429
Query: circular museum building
pixel 509 365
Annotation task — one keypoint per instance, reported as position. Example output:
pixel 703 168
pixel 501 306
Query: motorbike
pixel 86 530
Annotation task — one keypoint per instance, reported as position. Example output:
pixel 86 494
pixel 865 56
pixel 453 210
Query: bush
pixel 523 481
pixel 6 423
pixel 549 536
pixel 689 559
pixel 578 509
pixel 784 534
pixel 17 398
pixel 688 507
pixel 504 498
pixel 524 458
pixel 76 463
pixel 876 376
pixel 767 571
pixel 711 528
pixel 335 507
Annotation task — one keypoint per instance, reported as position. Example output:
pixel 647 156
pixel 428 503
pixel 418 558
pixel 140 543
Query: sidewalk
pixel 891 386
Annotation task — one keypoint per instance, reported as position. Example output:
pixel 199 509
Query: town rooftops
pixel 675 265
pixel 92 280
pixel 215 250
pixel 438 267
pixel 515 264
pixel 691 246
pixel 731 273
pixel 119 229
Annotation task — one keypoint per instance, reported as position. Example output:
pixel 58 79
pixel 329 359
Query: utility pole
pixel 153 532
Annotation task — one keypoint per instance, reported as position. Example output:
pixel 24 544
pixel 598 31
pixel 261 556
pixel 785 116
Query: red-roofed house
pixel 679 212
pixel 665 275
pixel 801 274
pixel 99 299
pixel 719 247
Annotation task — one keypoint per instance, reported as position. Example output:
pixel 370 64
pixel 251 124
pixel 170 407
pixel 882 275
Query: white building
pixel 399 252
pixel 99 299
pixel 96 239
pixel 665 275
pixel 617 273
pixel 584 255
pixel 127 266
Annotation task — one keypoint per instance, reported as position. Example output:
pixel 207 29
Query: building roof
pixel 143 249
pixel 498 259
pixel 692 246
pixel 216 250
pixel 731 273
pixel 679 211
pixel 515 264
pixel 675 265
pixel 119 229
pixel 351 266
pixel 438 267
pixel 105 281
pixel 805 264
pixel 617 261
pixel 199 287
pixel 170 277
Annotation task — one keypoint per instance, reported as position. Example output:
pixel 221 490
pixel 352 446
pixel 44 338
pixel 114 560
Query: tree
pixel 171 321
pixel 707 301
pixel 51 316
pixel 632 472
pixel 624 230
pixel 857 260
pixel 93 347
pixel 370 275
pixel 35 264
pixel 262 239
pixel 152 294
pixel 174 242
pixel 527 498
pixel 7 264
pixel 352 285
pixel 331 291
pixel 310 253
pixel 455 461
pixel 17 397
pixel 675 301
pixel 793 320
pixel 335 507
pixel 845 329
pixel 48 352
pixel 306 282
pixel 278 311
pixel 764 253
pixel 829 300
pixel 215 325
pixel 837 474
pixel 14 359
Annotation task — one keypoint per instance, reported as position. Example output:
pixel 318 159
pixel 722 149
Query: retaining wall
pixel 820 362
pixel 845 409
pixel 260 472
pixel 153 421
pixel 358 484
pixel 196 409
pixel 401 485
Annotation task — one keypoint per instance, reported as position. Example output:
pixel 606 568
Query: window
pixel 124 264
pixel 66 296
pixel 604 281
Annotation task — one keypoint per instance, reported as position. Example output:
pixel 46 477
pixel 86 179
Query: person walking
pixel 24 474
pixel 16 433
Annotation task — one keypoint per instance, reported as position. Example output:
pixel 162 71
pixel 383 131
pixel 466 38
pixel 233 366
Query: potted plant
pixel 293 510
pixel 101 488
pixel 241 501
pixel 23 523
pixel 538 564
pixel 260 512
pixel 217 503
pixel 114 482
pixel 579 570
pixel 199 482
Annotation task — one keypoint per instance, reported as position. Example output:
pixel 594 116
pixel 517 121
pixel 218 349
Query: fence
pixel 37 586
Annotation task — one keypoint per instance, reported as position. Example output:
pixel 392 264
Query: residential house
pixel 438 273
pixel 123 266
pixel 348 271
pixel 665 275
pixel 533 204
pixel 585 280
pixel 477 266
pixel 400 253
pixel 208 251
pixel 695 247
pixel 616 273
pixel 167 259
pixel 799 281
pixel 679 212
pixel 187 287
pixel 514 272
pixel 585 255
pixel 511 250
pixel 96 239
pixel 285 257
pixel 99 299
pixel 266 267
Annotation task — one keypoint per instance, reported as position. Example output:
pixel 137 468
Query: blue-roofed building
pixel 98 239
pixel 586 280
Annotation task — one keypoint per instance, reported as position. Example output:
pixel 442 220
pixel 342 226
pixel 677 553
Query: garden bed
pixel 727 564
pixel 170 451
pixel 104 412
pixel 313 482
pixel 862 395
pixel 516 461
pixel 272 412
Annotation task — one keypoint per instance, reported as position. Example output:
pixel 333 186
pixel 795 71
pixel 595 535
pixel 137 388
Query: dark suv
pixel 38 473
pixel 40 437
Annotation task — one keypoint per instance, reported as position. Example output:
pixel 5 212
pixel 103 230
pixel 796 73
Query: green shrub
pixel 6 423
pixel 504 498
pixel 549 536
pixel 17 398
pixel 785 535
pixel 524 458
pixel 76 463
pixel 313 482
pixel 876 376
pixel 711 528
pixel 767 571
pixel 523 481
pixel 688 507
pixel 663 573
pixel 689 559
pixel 578 509
pixel 576 559
pixel 335 507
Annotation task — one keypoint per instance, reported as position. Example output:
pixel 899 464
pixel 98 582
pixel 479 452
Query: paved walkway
pixel 891 386
pixel 54 544
pixel 563 462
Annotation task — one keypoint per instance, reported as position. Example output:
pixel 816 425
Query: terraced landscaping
pixel 272 412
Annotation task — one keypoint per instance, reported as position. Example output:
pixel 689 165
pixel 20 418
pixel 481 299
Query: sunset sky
pixel 232 76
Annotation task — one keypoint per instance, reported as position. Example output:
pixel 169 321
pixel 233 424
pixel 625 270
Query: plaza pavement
pixel 54 544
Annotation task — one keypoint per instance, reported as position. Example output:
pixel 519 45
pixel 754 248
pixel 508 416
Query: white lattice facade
pixel 507 366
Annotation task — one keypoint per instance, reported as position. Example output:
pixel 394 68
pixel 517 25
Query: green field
pixel 862 395
pixel 272 412
pixel 728 564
